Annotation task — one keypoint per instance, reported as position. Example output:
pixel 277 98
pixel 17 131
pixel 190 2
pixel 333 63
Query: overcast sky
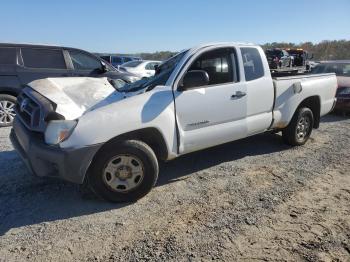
pixel 153 25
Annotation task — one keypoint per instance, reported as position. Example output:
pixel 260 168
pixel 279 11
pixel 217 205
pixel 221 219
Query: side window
pixel 218 65
pixel 106 58
pixel 346 70
pixel 127 59
pixel 117 60
pixel 8 56
pixel 43 58
pixel 83 61
pixel 253 67
pixel 150 66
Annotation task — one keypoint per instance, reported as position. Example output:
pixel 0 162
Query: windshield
pixel 131 64
pixel 161 76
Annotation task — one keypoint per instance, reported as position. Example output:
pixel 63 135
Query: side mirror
pixel 193 79
pixel 310 56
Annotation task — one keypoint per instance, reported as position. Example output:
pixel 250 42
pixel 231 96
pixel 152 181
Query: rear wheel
pixel 299 129
pixel 124 171
pixel 7 109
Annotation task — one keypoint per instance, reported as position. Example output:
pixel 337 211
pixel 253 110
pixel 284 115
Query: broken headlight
pixel 59 130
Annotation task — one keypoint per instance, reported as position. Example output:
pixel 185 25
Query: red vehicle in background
pixel 342 70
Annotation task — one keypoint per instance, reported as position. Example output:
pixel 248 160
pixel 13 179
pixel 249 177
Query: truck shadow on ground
pixel 335 117
pixel 27 200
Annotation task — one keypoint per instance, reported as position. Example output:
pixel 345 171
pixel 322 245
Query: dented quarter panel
pixel 149 109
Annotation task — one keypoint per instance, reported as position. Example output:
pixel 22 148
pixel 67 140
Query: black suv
pixel 22 63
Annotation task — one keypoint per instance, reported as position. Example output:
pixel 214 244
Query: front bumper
pixel 52 161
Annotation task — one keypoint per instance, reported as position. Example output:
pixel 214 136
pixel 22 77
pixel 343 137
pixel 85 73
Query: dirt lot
pixel 254 199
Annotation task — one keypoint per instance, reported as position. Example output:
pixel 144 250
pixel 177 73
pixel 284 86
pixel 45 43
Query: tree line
pixel 325 50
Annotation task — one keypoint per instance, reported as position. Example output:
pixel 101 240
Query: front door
pixel 212 114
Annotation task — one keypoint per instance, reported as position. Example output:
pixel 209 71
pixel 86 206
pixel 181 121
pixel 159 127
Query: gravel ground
pixel 254 199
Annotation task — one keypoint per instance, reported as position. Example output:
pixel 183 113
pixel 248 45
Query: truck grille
pixel 28 110
pixel 33 109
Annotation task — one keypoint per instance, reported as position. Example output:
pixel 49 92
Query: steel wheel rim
pixel 303 128
pixel 7 112
pixel 123 173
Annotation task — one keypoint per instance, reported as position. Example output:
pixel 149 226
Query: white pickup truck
pixel 113 136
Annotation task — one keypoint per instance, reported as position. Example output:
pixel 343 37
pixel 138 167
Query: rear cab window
pixel 8 56
pixel 253 66
pixel 43 58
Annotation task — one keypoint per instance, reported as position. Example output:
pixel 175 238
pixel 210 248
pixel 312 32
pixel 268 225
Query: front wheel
pixel 299 129
pixel 123 171
pixel 7 109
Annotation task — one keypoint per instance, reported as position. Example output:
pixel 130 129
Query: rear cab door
pixel 260 89
pixel 41 62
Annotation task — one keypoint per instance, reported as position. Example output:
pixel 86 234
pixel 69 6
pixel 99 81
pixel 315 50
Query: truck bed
pixel 290 91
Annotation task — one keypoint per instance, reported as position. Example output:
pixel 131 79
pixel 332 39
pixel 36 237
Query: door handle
pixel 238 94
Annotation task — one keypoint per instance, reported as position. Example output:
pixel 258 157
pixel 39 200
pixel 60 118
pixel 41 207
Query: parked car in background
pixel 116 61
pixel 342 70
pixel 202 97
pixel 313 64
pixel 144 68
pixel 278 59
pixel 21 64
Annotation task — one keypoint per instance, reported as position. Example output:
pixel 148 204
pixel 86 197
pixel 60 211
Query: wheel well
pixel 151 136
pixel 314 104
pixel 11 93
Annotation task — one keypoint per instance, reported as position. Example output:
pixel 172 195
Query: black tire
pixel 141 151
pixel 4 98
pixel 290 133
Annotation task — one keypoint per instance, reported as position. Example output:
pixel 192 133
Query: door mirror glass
pixel 193 79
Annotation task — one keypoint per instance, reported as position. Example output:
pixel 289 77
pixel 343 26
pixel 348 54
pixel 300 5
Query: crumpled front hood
pixel 76 95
